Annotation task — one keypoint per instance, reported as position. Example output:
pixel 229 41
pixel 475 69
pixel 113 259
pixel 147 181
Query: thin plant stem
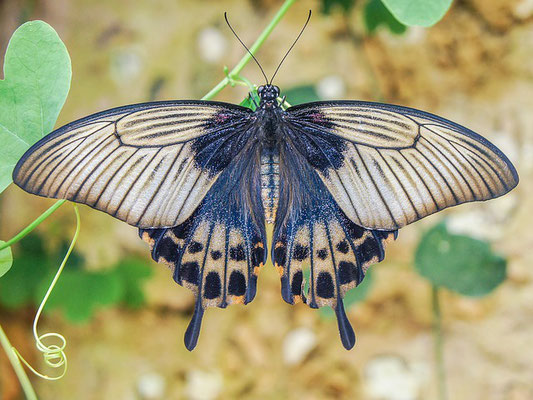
pixel 253 49
pixel 17 366
pixel 33 225
pixel 438 344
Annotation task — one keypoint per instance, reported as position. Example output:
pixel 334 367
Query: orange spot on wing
pixel 257 269
pixel 237 299
pixel 146 237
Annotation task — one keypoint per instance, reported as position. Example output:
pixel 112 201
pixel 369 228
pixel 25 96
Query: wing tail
pixel 218 252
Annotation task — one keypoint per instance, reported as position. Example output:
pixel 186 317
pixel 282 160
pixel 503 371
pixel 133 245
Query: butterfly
pixel 202 179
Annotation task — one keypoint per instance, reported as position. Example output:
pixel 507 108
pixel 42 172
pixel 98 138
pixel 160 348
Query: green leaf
pixel 37 75
pixel 80 293
pixel 418 12
pixel 30 267
pixel 301 94
pixel 329 5
pixel 376 14
pixel 459 263
pixel 132 272
pixel 353 296
pixel 6 259
pixel 251 100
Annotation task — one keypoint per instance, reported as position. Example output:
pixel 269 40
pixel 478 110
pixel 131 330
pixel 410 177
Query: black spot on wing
pixel 190 272
pixel 324 285
pixel 280 254
pixel 258 255
pixel 369 249
pixel 322 254
pixel 343 247
pixel 215 255
pixel 300 252
pixel 237 284
pixel 347 272
pixel 195 247
pixel 296 284
pixel 237 253
pixel 166 248
pixel 213 287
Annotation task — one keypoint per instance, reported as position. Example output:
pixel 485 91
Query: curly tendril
pixel 53 354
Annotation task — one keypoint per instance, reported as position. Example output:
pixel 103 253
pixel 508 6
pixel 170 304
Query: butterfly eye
pixel 260 89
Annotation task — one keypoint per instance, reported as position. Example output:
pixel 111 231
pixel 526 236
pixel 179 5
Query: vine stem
pixel 438 344
pixel 234 73
pixel 33 225
pixel 17 366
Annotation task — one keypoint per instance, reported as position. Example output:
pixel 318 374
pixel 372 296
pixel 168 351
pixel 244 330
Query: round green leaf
pixel 375 14
pixel 6 259
pixel 459 263
pixel 36 81
pixel 418 12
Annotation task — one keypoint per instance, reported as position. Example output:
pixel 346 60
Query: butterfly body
pixel 270 181
pixel 201 180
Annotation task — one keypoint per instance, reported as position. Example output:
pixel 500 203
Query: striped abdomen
pixel 270 182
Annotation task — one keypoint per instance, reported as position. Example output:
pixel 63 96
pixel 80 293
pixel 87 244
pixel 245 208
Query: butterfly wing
pixel 218 250
pixel 319 253
pixel 351 174
pixel 149 165
pixel 387 166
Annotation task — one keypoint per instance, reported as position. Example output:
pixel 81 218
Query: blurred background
pixel 123 315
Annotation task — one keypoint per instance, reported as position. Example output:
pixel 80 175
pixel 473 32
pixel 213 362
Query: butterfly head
pixel 268 94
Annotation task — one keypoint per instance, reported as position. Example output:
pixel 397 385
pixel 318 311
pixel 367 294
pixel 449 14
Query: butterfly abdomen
pixel 270 182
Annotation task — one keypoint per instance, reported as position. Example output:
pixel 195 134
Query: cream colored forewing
pixel 394 165
pixel 148 165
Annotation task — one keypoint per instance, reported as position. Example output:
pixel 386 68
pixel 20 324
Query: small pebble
pixel 390 377
pixel 151 386
pixel 331 87
pixel 211 44
pixel 523 9
pixel 202 385
pixel 297 345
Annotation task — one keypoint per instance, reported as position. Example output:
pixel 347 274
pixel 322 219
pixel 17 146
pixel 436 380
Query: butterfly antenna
pixel 247 49
pixel 288 51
